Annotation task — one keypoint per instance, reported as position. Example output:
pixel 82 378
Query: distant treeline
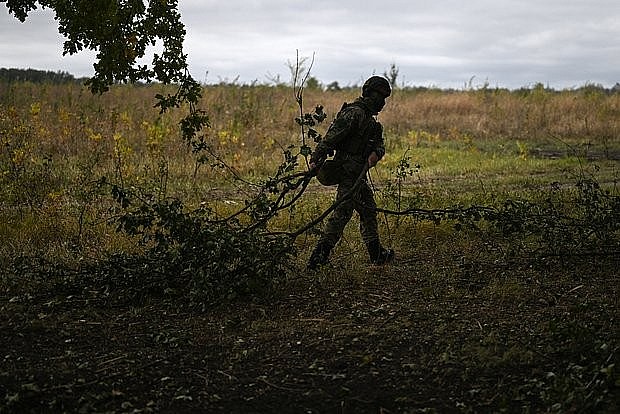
pixel 42 76
pixel 36 76
pixel 588 88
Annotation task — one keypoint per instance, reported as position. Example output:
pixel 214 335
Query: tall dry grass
pixel 256 121
pixel 505 115
pixel 58 140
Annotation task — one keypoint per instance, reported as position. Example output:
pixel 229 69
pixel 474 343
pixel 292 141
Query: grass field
pixel 517 311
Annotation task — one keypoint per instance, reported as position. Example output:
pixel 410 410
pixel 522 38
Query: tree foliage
pixel 122 33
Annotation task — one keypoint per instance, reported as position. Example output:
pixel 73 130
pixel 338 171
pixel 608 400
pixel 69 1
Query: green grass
pixel 468 318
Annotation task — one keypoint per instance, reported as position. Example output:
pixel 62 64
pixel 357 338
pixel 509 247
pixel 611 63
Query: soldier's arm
pixel 338 131
pixel 379 142
pixel 377 151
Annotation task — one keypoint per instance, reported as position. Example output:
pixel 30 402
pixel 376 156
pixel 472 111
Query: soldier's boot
pixel 319 256
pixel 378 254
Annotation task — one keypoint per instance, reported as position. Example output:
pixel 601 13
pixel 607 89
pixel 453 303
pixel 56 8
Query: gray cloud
pixel 508 43
pixel 37 44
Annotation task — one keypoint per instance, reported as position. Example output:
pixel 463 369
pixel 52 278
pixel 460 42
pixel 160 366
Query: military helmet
pixel 377 83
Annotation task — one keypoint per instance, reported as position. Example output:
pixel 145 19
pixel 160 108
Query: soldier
pixel 357 139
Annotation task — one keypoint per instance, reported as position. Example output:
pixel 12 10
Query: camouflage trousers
pixel 363 202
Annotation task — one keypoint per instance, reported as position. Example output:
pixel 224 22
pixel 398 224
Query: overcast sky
pixel 444 43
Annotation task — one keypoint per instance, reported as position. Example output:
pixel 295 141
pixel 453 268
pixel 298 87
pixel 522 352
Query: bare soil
pixel 477 338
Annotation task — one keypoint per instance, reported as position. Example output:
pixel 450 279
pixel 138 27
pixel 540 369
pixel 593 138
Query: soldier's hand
pixel 313 169
pixel 373 158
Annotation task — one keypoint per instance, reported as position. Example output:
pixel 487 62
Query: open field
pixel 516 310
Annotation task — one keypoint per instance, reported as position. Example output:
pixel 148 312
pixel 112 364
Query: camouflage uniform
pixel 354 135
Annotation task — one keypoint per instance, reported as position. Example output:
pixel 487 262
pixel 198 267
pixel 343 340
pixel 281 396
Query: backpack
pixel 331 172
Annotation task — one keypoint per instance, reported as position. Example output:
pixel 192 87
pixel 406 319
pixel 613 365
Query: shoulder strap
pixel 368 119
pixel 356 144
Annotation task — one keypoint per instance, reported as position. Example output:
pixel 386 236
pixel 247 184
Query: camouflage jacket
pixel 353 135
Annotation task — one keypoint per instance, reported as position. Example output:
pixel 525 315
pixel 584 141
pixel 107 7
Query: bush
pixel 211 260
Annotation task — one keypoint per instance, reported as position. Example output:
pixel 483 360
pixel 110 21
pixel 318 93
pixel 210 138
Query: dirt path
pixel 397 341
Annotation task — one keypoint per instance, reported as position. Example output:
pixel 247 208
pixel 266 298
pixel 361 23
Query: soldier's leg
pixel 366 208
pixel 333 230
pixel 339 218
